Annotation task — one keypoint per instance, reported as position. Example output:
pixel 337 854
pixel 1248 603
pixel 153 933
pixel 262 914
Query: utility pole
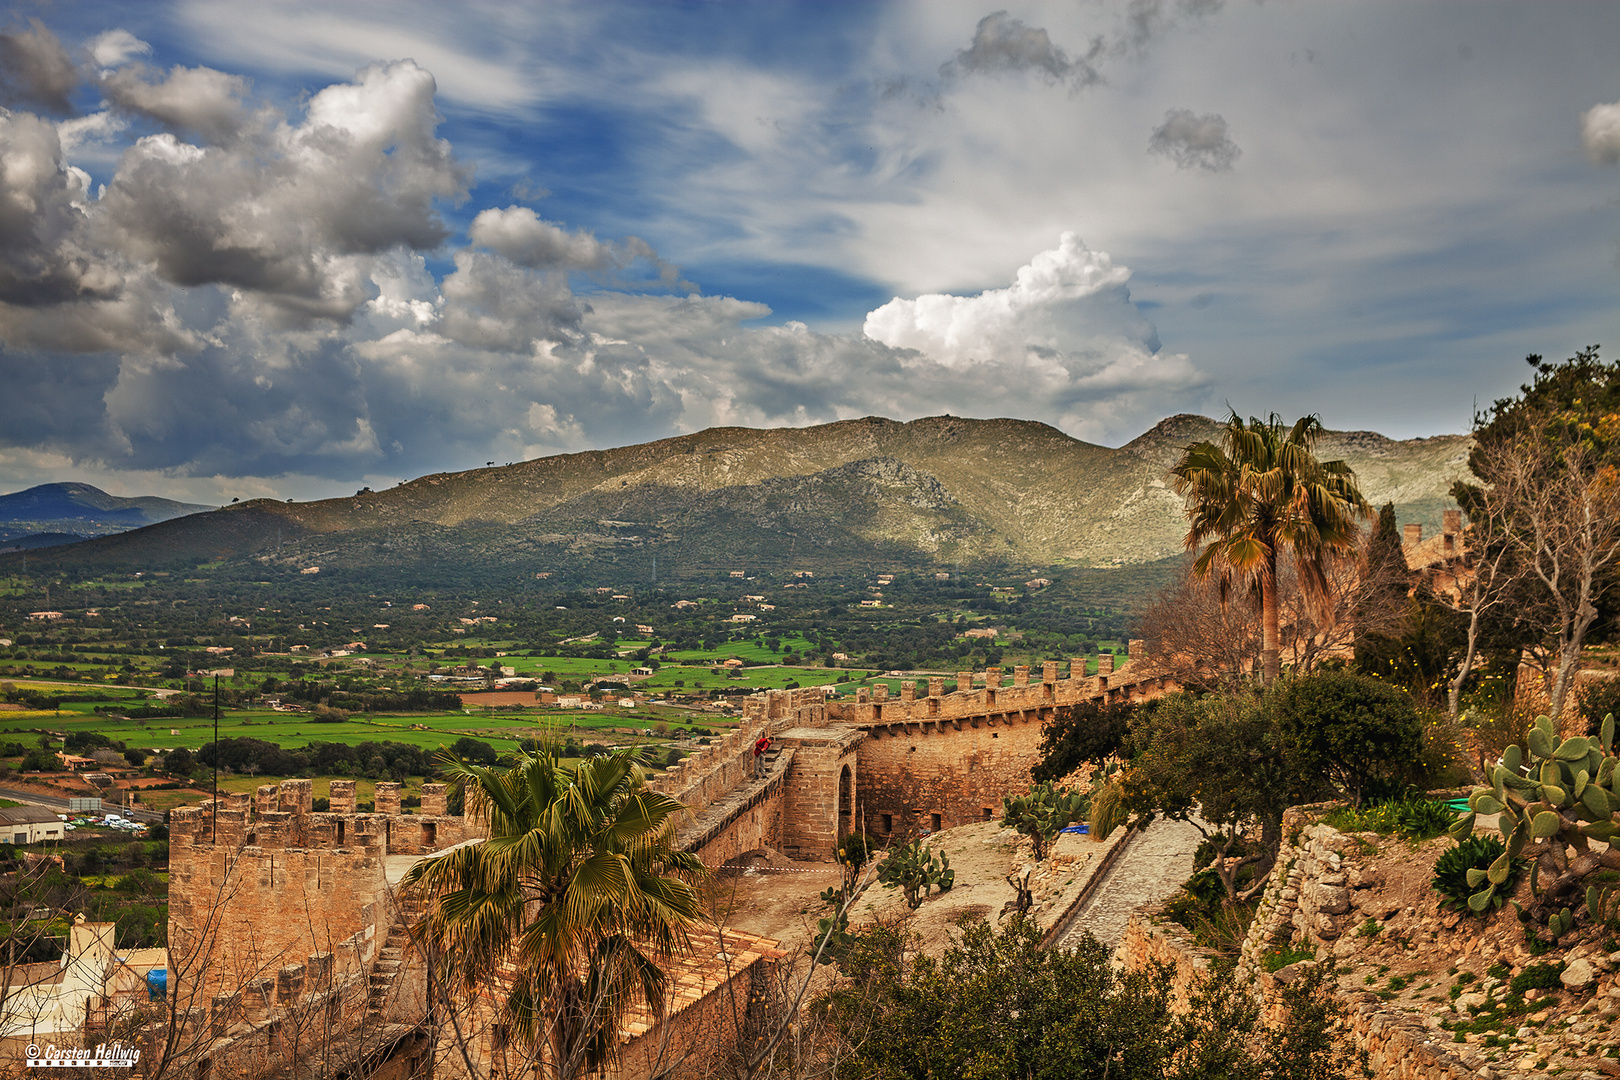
pixel 216 757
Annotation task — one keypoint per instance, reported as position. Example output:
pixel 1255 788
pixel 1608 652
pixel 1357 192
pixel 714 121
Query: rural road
pixel 1156 863
pixel 25 681
pixel 51 802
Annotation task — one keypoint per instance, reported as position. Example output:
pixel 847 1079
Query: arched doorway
pixel 846 802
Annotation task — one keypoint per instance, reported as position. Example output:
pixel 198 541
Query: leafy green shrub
pixel 1420 818
pixel 1599 700
pixel 1413 816
pixel 1277 959
pixel 1452 873
pixel 1201 906
pixel 1351 730
pixel 40 761
pixel 1537 977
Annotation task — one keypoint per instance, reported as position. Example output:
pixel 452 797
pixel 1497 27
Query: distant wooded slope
pixel 940 490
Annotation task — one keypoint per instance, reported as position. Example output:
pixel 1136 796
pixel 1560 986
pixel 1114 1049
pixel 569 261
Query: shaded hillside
pixel 39 540
pixel 937 490
pixel 82 510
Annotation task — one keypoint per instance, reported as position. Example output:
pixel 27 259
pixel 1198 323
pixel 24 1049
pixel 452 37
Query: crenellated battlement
pixel 278 817
pixel 714 770
pixel 985 698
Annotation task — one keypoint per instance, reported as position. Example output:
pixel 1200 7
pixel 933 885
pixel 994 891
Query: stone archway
pixel 846 801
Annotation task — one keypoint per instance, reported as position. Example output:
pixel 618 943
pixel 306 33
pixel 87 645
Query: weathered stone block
pixel 436 799
pixel 341 797
pixel 388 797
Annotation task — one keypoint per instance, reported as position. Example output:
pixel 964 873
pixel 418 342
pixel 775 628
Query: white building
pixel 29 825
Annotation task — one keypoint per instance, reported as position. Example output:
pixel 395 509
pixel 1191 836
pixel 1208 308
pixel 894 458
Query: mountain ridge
pixel 82 509
pixel 936 490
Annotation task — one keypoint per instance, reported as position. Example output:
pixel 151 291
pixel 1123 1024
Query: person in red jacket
pixel 762 744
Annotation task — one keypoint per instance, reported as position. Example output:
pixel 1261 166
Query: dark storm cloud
pixel 1194 142
pixel 197 100
pixel 43 259
pixel 283 214
pixel 56 399
pixel 250 296
pixel 35 70
pixel 1004 44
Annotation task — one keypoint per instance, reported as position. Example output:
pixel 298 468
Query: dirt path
pixel 779 898
pixel 1154 865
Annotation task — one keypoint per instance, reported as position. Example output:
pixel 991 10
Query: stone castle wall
pixel 947 758
pixel 823 797
pixel 281 918
pixel 937 774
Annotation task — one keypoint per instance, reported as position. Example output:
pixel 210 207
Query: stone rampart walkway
pixel 1156 863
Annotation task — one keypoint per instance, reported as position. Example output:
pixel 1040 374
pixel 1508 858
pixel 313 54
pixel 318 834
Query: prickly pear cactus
pixel 1043 813
pixel 1550 807
pixel 915 869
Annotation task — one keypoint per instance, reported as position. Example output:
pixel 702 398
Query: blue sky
pixel 287 249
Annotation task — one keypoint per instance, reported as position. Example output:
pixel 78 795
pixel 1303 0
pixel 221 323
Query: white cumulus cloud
pixel 1064 300
pixel 1600 133
pixel 114 47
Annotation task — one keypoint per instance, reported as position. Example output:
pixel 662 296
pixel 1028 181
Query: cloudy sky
pixel 288 249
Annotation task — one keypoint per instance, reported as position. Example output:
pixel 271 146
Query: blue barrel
pixel 157 983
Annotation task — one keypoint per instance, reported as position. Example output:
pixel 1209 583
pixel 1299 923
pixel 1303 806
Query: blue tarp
pixel 1080 828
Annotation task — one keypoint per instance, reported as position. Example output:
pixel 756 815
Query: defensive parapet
pixel 1136 681
pixel 273 906
pixel 943 758
pixel 715 770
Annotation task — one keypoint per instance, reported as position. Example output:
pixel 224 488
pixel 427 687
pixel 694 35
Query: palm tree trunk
pixel 1270 651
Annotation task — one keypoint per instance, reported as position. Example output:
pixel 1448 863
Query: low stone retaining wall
pixel 1312 898
pixel 1151 938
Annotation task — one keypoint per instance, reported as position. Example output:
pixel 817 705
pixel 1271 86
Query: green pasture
pixel 693 679
pixel 283 729
pixel 742 650
pixel 568 667
pixel 428 731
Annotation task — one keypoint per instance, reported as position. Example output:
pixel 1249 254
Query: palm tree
pixel 568 905
pixel 1258 492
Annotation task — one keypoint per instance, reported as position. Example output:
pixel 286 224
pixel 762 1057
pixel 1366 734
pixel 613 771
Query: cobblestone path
pixel 1156 862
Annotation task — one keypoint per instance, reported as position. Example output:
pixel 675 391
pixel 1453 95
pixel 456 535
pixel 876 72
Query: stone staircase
pixel 391 957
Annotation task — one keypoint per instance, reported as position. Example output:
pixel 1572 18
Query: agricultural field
pixel 425 730
pixel 129 664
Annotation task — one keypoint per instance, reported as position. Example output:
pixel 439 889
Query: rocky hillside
pixel 941 490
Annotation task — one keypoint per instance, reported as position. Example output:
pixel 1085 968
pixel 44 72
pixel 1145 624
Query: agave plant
pixel 1549 809
pixel 1459 873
